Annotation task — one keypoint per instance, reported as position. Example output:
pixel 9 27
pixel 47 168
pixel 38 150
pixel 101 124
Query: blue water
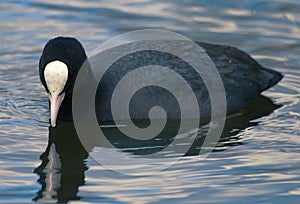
pixel 257 161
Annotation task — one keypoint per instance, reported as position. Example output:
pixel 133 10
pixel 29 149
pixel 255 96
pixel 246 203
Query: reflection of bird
pixel 243 78
pixel 62 169
pixel 236 123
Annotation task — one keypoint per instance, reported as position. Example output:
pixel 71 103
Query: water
pixel 256 161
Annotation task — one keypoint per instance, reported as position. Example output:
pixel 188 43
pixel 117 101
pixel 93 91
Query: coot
pixel 62 57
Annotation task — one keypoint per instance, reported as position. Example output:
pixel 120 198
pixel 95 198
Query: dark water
pixel 256 161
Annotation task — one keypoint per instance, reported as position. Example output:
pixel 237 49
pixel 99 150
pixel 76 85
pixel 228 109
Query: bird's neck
pixel 84 90
pixel 65 111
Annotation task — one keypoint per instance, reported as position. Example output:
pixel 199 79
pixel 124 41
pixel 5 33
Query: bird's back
pixel 243 78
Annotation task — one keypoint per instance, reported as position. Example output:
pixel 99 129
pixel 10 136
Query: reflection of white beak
pixel 56 75
pixel 55 102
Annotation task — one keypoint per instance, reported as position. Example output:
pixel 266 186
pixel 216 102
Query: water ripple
pixel 256 161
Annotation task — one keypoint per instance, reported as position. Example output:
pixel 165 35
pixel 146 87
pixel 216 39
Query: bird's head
pixel 59 64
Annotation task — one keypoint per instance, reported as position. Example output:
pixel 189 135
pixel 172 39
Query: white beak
pixel 55 102
pixel 56 75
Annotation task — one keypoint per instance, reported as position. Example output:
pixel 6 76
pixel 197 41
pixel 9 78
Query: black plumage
pixel 243 78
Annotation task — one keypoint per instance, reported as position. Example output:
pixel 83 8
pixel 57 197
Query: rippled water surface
pixel 257 159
